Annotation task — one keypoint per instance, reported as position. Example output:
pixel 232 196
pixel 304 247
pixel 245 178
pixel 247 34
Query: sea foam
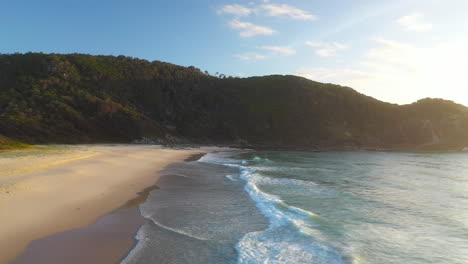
pixel 290 237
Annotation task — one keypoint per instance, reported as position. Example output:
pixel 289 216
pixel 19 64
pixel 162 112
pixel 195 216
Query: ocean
pixel 250 207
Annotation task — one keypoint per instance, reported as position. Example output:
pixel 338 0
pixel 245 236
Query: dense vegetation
pixel 76 98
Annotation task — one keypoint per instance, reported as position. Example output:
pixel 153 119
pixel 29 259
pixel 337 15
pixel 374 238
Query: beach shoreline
pixel 74 193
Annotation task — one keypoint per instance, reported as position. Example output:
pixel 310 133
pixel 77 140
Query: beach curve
pixel 69 193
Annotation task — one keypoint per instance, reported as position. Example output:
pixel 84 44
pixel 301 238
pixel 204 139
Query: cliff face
pixel 80 98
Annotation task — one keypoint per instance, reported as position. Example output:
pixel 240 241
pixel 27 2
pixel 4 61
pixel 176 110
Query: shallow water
pixel 300 207
pixel 197 216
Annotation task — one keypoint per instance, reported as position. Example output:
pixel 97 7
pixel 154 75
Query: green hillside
pixel 50 98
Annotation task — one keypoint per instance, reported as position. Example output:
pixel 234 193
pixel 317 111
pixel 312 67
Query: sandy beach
pixel 47 192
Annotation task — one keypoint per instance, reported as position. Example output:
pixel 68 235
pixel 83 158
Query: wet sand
pixel 107 241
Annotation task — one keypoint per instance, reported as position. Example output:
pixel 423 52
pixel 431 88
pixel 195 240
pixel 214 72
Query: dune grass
pixel 9 144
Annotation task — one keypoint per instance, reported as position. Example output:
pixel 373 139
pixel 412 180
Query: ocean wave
pixel 290 237
pixel 218 158
pixel 296 185
pixel 279 212
pixel 136 251
pixel 295 169
pixel 178 231
pixel 231 177
pixel 261 247
pixel 144 241
pixel 260 179
pixel 261 160
pixel 264 247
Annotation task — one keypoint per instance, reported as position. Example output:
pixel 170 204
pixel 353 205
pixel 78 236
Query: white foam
pixel 262 247
pixel 268 203
pixel 218 158
pixel 231 177
pixel 136 251
pixel 290 169
pixel 259 179
pixel 179 231
pixel 290 237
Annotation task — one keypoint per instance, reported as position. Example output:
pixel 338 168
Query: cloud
pixel 272 51
pixel 279 50
pixel 248 30
pixel 326 52
pixel 273 10
pixel 285 10
pixel 415 22
pixel 341 76
pixel 313 44
pixel 326 49
pixel 237 10
pixel 403 73
pixel 391 55
pixel 250 56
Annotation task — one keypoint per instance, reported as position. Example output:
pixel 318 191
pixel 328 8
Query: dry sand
pixel 48 192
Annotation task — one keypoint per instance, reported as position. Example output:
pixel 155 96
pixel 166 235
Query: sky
pixel 397 51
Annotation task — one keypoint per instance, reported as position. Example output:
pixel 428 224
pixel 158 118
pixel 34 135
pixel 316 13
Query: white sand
pixel 45 193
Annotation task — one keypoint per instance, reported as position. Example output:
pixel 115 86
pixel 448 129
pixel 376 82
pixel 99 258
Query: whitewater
pixel 250 207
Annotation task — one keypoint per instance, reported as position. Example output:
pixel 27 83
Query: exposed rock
pixel 148 141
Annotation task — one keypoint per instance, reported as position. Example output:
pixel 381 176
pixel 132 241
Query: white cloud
pixel 271 51
pixel 389 54
pixel 403 73
pixel 326 49
pixel 280 50
pixel 415 22
pixel 326 52
pixel 339 76
pixel 313 44
pixel 285 10
pixel 248 30
pixel 339 46
pixel 237 10
pixel 250 56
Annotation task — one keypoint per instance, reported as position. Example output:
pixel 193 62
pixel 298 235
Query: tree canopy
pixel 77 98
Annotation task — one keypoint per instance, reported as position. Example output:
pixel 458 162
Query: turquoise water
pixel 302 207
pixel 356 207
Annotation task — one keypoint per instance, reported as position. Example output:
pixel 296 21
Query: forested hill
pixel 51 98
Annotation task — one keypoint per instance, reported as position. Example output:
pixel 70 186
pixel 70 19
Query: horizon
pixel 394 51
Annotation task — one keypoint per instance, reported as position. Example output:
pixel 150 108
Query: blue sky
pixel 395 50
